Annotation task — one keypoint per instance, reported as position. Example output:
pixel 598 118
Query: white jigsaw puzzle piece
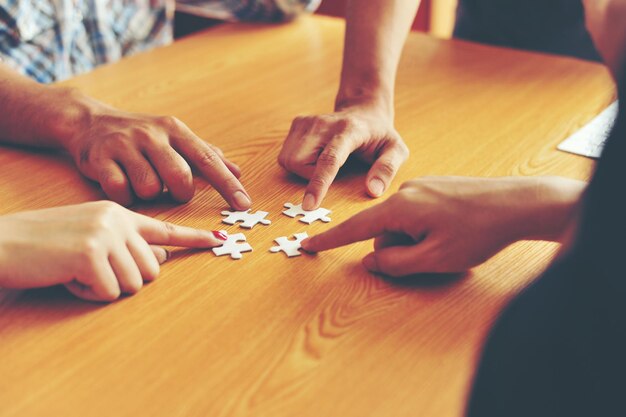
pixel 232 246
pixel 308 217
pixel 249 220
pixel 290 247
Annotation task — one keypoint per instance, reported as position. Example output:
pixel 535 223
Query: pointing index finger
pixel 209 162
pixel 328 164
pixel 156 232
pixel 362 226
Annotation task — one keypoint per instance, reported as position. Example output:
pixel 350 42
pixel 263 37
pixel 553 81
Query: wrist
pixel 375 106
pixel 69 116
pixel 549 207
pixel 365 94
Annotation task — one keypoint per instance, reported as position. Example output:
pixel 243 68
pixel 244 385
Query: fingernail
pixel 377 187
pixel 369 262
pixel 309 202
pixel 219 235
pixel 305 245
pixel 162 255
pixel 242 201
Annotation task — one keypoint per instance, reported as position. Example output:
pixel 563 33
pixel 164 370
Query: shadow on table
pixel 42 306
pixel 427 281
pixel 353 168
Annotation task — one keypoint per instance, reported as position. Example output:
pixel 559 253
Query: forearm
pixel 34 114
pixel 548 207
pixel 376 31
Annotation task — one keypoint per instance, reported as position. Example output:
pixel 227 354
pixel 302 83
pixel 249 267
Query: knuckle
pixel 169 122
pixel 217 150
pixel 91 250
pixel 401 148
pixel 330 157
pixel 282 161
pixel 111 181
pixel 134 286
pixel 348 123
pixel 91 247
pixel 111 294
pixel 141 135
pixel 180 174
pixel 152 271
pixel 140 174
pixel 318 182
pixel 117 141
pixel 103 211
pixel 386 169
pixel 169 229
pixel 208 159
pixel 302 119
pixel 404 149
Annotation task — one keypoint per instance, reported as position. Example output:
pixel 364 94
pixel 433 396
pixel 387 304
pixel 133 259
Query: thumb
pixel 399 261
pixel 385 168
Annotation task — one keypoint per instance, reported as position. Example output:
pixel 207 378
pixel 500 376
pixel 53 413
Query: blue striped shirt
pixel 52 40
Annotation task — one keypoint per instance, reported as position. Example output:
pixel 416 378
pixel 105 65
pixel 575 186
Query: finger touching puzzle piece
pixel 232 246
pixel 290 247
pixel 248 220
pixel 308 217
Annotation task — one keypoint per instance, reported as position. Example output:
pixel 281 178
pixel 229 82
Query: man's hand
pixel 128 154
pixel 97 250
pixel 138 155
pixel 318 146
pixel 450 224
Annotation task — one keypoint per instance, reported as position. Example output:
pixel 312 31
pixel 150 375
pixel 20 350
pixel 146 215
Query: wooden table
pixel 271 336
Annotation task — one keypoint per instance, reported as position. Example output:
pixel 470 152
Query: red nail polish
pixel 219 235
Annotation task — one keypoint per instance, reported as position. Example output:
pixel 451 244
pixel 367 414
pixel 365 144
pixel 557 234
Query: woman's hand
pixel 97 250
pixel 450 224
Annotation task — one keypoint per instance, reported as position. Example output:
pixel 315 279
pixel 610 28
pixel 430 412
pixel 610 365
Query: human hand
pixel 97 250
pixel 450 224
pixel 318 146
pixel 137 155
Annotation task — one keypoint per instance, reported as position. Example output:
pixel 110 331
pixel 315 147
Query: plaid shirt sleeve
pixel 51 40
pixel 254 10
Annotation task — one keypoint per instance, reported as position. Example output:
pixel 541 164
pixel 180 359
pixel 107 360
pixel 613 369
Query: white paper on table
pixel 589 140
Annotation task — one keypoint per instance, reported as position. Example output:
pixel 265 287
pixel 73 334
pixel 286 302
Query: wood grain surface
pixel 267 335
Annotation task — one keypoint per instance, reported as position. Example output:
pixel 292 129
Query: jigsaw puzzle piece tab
pixel 308 217
pixel 248 220
pixel 289 247
pixel 232 246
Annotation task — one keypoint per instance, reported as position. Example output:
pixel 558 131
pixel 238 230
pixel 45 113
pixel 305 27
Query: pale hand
pixel 97 250
pixel 318 146
pixel 450 224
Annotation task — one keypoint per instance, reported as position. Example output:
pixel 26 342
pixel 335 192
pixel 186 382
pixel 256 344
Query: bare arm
pixel 130 155
pixel 362 123
pixel 35 114
pixel 375 35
